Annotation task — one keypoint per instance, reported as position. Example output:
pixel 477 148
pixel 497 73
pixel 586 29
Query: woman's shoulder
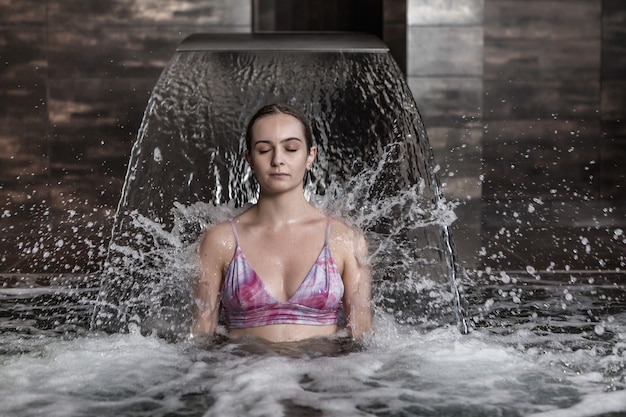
pixel 219 229
pixel 219 237
pixel 346 237
pixel 339 227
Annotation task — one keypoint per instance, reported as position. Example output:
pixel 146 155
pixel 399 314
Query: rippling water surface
pixel 550 345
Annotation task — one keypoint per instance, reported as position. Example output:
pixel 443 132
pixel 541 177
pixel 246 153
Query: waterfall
pixel 186 171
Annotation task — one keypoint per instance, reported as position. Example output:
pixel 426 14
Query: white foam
pixel 439 372
pixel 591 405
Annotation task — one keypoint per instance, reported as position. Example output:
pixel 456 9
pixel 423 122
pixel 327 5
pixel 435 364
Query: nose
pixel 277 157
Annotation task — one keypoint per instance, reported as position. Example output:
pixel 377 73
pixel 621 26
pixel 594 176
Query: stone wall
pixel 445 73
pixel 74 81
pixel 525 102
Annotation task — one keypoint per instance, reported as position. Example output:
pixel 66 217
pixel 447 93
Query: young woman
pixel 282 269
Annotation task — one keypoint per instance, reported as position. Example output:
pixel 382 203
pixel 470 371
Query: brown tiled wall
pixel 524 101
pixel 542 96
pixel 445 73
pixel 613 99
pixel 74 80
pixel 553 110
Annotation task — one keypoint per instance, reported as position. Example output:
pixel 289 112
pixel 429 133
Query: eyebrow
pixel 281 141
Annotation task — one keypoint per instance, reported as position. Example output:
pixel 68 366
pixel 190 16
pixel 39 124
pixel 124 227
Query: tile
pixel 81 227
pixel 546 159
pixel 103 14
pixel 542 19
pixel 263 15
pixel 23 54
pixel 612 160
pixel 577 234
pixel 111 53
pixel 99 102
pixel 465 233
pixel 613 99
pixel 89 164
pixel 613 15
pixel 461 188
pixel 614 57
pixel 540 99
pixel 77 249
pixel 23 102
pixel 444 12
pixel 23 12
pixel 464 140
pixel 576 60
pixel 444 51
pixel 613 170
pixel 23 154
pixel 466 137
pixel 554 69
pixel 549 248
pixel 78 75
pixel 24 223
pixel 22 76
pixel 458 153
pixel 613 130
pixel 20 253
pixel 24 191
pixel 467 244
pixel 445 101
pixel 395 12
pixel 613 39
pixel 573 213
pixel 25 206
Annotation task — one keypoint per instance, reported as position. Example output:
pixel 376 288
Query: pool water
pixel 541 345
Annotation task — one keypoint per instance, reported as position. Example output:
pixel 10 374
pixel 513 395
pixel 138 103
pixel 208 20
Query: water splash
pixel 374 167
pixel 395 223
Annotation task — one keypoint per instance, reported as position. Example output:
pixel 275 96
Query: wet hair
pixel 277 108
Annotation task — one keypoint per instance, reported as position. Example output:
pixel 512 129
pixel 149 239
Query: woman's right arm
pixel 209 282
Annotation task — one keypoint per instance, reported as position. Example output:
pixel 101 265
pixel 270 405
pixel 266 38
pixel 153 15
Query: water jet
pixel 375 168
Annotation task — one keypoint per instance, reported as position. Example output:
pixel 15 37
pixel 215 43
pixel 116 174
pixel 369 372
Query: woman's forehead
pixel 277 126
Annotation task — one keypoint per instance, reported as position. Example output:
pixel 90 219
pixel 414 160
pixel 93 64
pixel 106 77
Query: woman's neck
pixel 283 209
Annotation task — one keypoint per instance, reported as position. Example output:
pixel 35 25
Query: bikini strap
pixel 330 219
pixel 232 224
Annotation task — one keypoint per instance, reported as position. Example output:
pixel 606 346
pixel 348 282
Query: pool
pixel 549 345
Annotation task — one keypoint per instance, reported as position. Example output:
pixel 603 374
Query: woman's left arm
pixel 357 288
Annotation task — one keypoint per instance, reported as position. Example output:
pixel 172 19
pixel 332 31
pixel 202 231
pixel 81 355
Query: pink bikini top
pixel 247 303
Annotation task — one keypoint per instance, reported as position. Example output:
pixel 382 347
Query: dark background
pixel 524 102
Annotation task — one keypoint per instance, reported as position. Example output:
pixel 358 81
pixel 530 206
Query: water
pixel 542 343
pixel 374 168
pixel 546 345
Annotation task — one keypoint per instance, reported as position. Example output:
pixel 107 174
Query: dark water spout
pixel 374 167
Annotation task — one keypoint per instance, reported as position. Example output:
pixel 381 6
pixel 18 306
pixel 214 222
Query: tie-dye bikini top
pixel 247 303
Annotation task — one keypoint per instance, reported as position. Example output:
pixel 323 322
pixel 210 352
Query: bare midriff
pixel 285 332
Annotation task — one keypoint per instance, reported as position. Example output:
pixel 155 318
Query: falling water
pixel 374 169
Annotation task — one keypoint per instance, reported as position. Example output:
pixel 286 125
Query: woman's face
pixel 278 153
